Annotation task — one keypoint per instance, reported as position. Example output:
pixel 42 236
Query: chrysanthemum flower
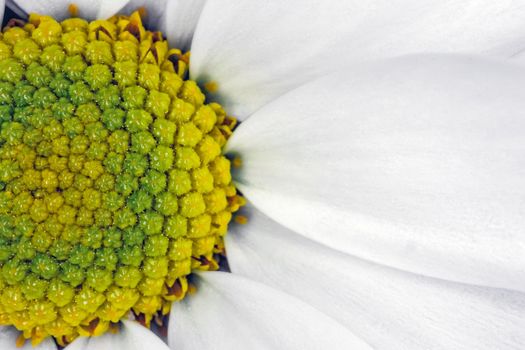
pixel 380 148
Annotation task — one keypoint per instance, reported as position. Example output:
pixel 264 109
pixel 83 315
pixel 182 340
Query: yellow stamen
pixel 73 10
pixel 114 328
pixel 237 162
pixel 211 86
pixel 20 341
pixel 241 219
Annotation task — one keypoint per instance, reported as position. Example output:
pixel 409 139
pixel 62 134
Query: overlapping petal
pixel 387 308
pixel 59 9
pixel 257 50
pixel 131 336
pixel 8 337
pixel 231 312
pixel 415 163
pixel 182 17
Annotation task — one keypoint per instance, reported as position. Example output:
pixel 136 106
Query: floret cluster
pixel 112 183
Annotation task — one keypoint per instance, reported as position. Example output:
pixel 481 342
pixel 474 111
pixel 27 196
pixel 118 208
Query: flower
pixel 385 181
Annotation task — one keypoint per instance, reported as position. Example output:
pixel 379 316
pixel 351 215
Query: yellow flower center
pixel 113 187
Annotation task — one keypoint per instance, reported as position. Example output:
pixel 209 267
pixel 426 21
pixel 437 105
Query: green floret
pixel 164 131
pixel 166 203
pixel 151 222
pixel 140 201
pixel 142 142
pixel 128 276
pixel 80 93
pixel 156 245
pixel 23 94
pixel 154 182
pixel 14 271
pixel 113 118
pixel 44 98
pixel 98 76
pixel 34 287
pixel 106 258
pixel 74 67
pixel 38 75
pixel 63 109
pixel 11 71
pixel 113 238
pixel 44 266
pixel 99 279
pixel 81 256
pixel 72 273
pixel 134 97
pixel 5 93
pixel 161 158
pixel 6 113
pixel 53 57
pixel 138 120
pixel 135 164
pixel 131 255
pixel 12 133
pixel 60 85
pixel 119 141
pixel 126 183
pixel 108 97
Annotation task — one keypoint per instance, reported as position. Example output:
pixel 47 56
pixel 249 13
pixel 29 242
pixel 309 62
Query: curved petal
pixel 231 312
pixel 110 8
pixel 182 17
pixel 59 9
pixel 387 308
pixel 9 335
pixel 257 50
pixel 416 163
pixel 131 336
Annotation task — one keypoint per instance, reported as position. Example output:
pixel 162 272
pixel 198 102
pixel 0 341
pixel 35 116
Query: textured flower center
pixel 112 183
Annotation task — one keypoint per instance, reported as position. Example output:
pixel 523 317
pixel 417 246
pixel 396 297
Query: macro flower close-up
pixel 256 174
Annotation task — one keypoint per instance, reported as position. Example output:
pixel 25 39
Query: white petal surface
pixel 110 8
pixel 415 163
pixel 8 337
pixel 231 312
pixel 387 308
pixel 257 50
pixel 89 9
pixel 132 336
pixel 182 17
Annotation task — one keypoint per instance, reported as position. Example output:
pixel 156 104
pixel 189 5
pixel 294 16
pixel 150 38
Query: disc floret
pixel 112 183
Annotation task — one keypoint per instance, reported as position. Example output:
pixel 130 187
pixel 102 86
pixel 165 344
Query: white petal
pixel 231 312
pixel 182 17
pixel 132 336
pixel 110 8
pixel 59 9
pixel 387 308
pixel 257 50
pixel 416 163
pixel 9 335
